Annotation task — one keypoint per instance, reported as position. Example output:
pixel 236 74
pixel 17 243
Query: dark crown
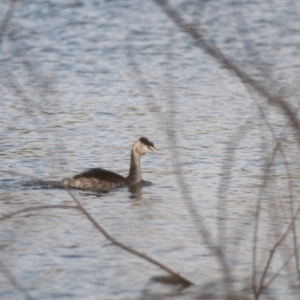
pixel 146 142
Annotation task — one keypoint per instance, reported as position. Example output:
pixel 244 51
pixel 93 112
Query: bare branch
pixel 11 278
pixel 43 207
pixel 226 63
pixel 177 278
pixel 7 18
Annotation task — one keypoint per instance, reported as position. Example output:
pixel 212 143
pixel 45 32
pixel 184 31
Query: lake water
pixel 80 82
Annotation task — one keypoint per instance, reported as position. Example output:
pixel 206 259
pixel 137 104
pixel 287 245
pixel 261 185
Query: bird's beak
pixel 153 149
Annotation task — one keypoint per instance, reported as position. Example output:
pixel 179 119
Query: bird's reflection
pixel 136 189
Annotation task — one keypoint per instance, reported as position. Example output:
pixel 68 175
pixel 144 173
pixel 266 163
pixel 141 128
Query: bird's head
pixel 143 146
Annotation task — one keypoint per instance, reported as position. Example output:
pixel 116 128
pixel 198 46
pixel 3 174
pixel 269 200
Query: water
pixel 80 83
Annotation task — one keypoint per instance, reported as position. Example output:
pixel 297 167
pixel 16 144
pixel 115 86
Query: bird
pixel 98 179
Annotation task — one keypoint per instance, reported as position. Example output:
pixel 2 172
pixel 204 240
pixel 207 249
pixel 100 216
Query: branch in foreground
pixel 177 279
pixel 11 278
pixel 219 57
pixel 7 18
pixel 7 216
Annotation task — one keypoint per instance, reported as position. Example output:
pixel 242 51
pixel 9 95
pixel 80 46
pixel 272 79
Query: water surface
pixel 80 83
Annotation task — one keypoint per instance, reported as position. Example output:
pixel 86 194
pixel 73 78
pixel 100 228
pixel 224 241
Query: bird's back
pixel 97 180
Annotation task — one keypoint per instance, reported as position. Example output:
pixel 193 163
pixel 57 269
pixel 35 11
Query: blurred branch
pixel 257 291
pixel 177 278
pixel 251 84
pixel 43 207
pixel 277 273
pixel 7 18
pixel 219 57
pixel 257 216
pixel 196 217
pixel 14 282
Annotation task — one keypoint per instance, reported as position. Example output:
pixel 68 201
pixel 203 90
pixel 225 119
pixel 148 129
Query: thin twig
pixel 43 207
pixel 196 217
pixel 14 282
pixel 220 58
pixel 277 273
pixel 7 18
pixel 257 216
pixel 272 252
pixel 179 279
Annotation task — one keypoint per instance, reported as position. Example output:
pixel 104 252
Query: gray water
pixel 80 82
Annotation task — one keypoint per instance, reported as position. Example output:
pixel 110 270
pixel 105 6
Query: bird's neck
pixel 135 173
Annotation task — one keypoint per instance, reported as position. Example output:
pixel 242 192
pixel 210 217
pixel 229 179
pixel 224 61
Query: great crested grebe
pixel 101 180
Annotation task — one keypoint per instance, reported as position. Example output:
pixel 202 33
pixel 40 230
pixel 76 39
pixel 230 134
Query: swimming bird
pixel 102 180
